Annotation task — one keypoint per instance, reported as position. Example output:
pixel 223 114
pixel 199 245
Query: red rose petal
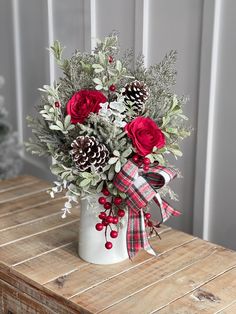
pixel 82 103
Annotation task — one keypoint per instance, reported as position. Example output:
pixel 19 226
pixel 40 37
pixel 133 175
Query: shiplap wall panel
pixel 34 68
pixel 119 16
pixel 68 20
pixel 7 60
pixel 222 213
pixel 177 25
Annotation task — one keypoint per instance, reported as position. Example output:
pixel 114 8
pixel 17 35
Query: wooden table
pixel 40 271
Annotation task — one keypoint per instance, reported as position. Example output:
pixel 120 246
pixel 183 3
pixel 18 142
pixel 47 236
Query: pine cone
pixel 87 151
pixel 136 92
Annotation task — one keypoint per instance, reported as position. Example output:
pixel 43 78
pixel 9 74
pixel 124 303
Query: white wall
pixel 201 31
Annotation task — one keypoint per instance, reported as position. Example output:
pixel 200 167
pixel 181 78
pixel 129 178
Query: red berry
pixel 110 59
pixel 99 227
pixel 109 219
pixel 135 158
pixel 121 213
pixel 105 223
pixel 117 200
pixel 57 104
pixel 146 167
pixel 146 161
pixel 102 215
pixel 102 200
pixel 148 216
pixel 114 234
pixel 115 220
pixel 108 245
pixel 107 205
pixel 112 88
pixel 105 192
pixel 150 224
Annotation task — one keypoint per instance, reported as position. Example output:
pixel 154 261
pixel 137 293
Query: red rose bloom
pixel 82 103
pixel 145 135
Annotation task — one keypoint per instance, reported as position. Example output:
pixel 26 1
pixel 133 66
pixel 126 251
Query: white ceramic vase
pixel 92 242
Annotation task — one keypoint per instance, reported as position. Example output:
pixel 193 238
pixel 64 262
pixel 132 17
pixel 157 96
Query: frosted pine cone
pixel 87 151
pixel 137 93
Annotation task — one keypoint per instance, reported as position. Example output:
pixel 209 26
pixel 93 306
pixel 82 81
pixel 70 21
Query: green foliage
pixel 53 131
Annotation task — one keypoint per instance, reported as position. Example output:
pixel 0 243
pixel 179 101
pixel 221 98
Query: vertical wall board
pixel 222 210
pixel 7 60
pixel 112 15
pixel 68 25
pixel 34 59
pixel 177 25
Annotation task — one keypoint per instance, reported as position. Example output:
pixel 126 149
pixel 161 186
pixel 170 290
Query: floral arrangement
pixel 109 123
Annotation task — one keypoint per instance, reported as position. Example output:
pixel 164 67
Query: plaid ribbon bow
pixel 140 189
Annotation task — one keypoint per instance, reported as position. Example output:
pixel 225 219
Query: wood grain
pixel 25 249
pixel 14 301
pixel 40 271
pixel 12 183
pixel 64 261
pixel 27 202
pixel 144 275
pixel 21 191
pixel 38 226
pixel 209 298
pixel 32 214
pixel 38 293
pixel 231 309
pixel 92 275
pixel 176 285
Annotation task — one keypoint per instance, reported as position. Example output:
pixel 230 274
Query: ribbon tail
pixel 166 210
pixel 136 234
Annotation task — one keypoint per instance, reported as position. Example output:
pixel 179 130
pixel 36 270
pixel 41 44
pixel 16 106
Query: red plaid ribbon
pixel 140 189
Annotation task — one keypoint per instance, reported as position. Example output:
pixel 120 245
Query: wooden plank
pixel 12 183
pixel 91 275
pixel 168 288
pixel 64 261
pixel 231 309
pixel 23 191
pixel 144 275
pixel 27 202
pixel 38 293
pixel 209 298
pixel 23 250
pixel 38 226
pixel 14 301
pixel 29 215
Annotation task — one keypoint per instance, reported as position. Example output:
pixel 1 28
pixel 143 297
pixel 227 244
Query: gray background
pixel 203 32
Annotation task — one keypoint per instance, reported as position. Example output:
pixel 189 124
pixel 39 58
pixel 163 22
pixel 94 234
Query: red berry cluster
pixel 153 227
pixel 142 161
pixel 108 217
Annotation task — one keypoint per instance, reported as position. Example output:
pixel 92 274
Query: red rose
pixel 145 135
pixel 82 103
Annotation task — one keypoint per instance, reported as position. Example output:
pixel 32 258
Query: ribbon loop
pixel 159 176
pixel 140 188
